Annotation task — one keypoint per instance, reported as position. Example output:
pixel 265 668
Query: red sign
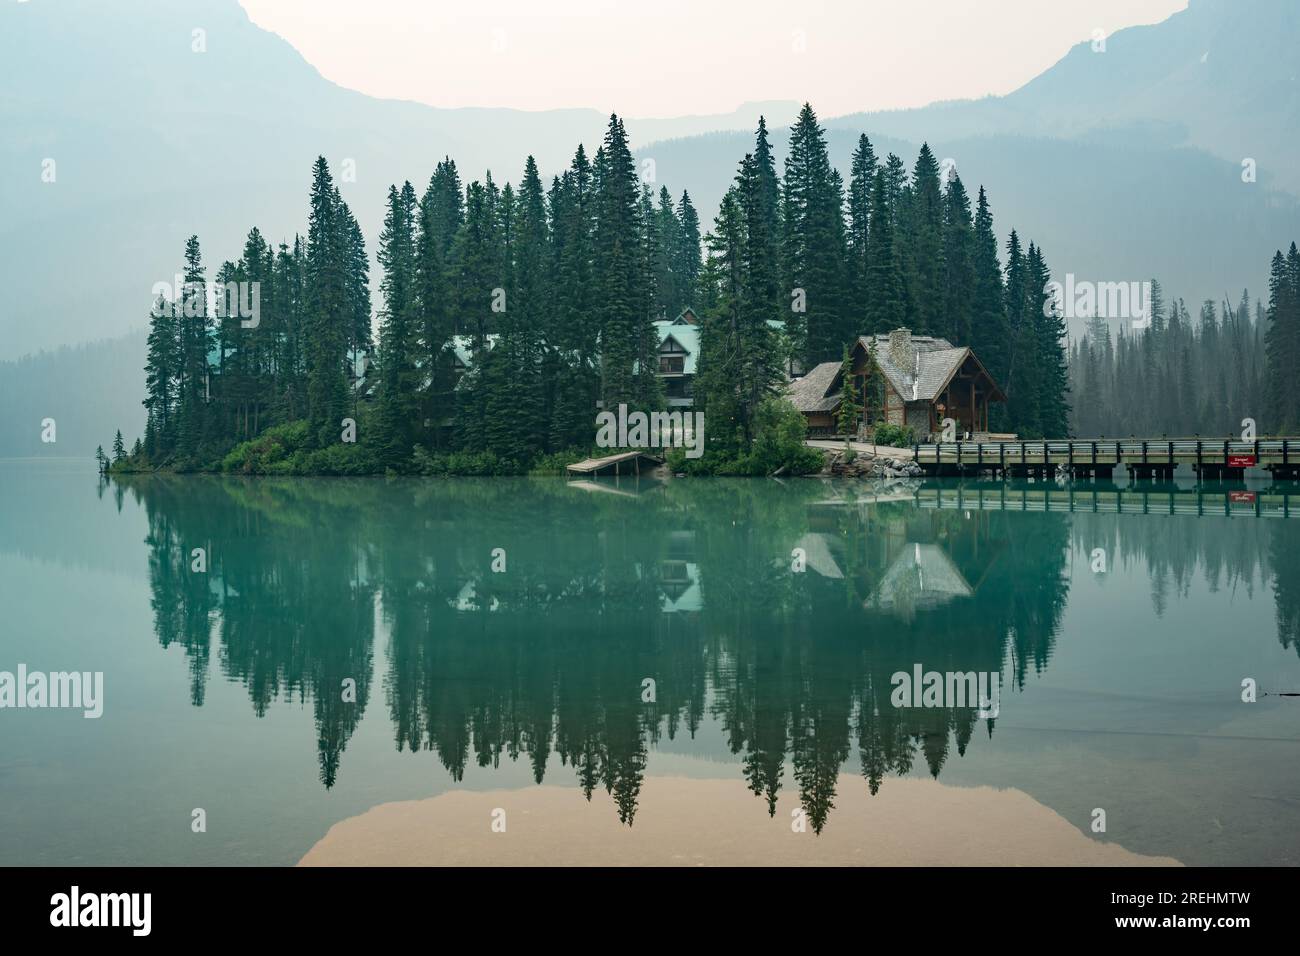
pixel 1241 461
pixel 1241 496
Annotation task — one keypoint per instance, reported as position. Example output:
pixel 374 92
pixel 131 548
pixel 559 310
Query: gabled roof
pixel 809 393
pixel 685 335
pixel 936 361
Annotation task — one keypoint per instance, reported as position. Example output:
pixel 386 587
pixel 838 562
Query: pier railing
pixel 1080 453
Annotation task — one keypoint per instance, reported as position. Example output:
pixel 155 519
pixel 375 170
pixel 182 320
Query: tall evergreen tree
pixel 627 339
pixel 194 323
pixel 690 256
pixel 862 183
pixel 885 305
pixel 1282 342
pixel 814 243
pixel 399 398
pixel 326 308
pixel 921 246
pixel 956 315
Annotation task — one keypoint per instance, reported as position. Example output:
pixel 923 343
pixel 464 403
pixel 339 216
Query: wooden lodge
pixel 922 380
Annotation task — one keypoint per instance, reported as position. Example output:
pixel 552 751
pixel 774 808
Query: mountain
pixel 1221 76
pixel 89 390
pixel 153 141
pixel 1124 165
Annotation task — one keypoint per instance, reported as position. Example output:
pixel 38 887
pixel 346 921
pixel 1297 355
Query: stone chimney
pixel 900 350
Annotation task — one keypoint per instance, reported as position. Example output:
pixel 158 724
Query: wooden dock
pixel 1144 458
pixel 624 463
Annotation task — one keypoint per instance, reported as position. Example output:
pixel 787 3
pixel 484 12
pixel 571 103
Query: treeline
pixel 1204 374
pixel 216 376
pixel 510 314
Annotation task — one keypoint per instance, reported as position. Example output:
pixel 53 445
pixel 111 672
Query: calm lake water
pixel 502 635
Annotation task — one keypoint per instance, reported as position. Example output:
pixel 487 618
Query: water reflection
pixel 524 618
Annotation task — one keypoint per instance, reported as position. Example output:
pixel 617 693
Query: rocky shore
pixel 856 464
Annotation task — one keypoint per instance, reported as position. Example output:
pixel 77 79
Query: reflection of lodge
pixel 679 574
pixel 921 577
pixel 906 566
pixel 602 591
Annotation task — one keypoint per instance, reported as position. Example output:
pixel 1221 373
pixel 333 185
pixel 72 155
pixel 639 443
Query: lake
pixel 697 671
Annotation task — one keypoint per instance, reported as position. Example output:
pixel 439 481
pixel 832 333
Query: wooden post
pixel 974 425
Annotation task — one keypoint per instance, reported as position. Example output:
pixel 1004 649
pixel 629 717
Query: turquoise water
pixel 500 633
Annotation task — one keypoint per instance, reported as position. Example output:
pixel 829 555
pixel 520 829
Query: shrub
pixel 895 436
pixel 461 464
pixel 556 463
pixel 270 453
pixel 779 430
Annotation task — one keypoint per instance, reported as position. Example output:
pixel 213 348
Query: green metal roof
pixel 687 336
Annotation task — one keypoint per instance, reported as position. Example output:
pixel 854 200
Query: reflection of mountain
pixel 600 592
pixel 706 822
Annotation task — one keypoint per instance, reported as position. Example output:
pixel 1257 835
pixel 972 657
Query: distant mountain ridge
pixel 1123 165
pixel 1222 76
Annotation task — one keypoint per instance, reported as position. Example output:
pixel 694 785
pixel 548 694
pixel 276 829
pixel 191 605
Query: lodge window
pixel 671 364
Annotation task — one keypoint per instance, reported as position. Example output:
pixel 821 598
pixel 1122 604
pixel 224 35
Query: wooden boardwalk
pixel 624 463
pixel 1144 458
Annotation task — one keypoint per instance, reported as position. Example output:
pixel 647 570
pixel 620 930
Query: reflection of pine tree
pixel 1284 555
pixel 871 749
pixel 789 664
pixel 764 763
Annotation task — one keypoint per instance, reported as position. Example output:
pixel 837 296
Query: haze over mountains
pixel 1123 164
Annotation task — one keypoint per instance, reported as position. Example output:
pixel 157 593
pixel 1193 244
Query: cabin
pixel 921 381
pixel 679 350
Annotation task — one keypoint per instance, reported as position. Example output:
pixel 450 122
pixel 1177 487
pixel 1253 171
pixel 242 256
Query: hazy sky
pixel 675 57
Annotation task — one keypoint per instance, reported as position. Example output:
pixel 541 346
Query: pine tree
pixel 958 279
pixel 195 341
pixel 627 339
pixel 119 449
pixel 921 246
pixel 717 385
pixel 1051 365
pixel 689 256
pixel 760 198
pixel 356 294
pixel 990 329
pixel 399 399
pixel 862 182
pixel 573 339
pixel 813 243
pixel 328 324
pixel 440 218
pixel 1282 342
pixel 161 375
pixel 670 289
pixel 850 411
pixel 885 307
pixel 521 420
